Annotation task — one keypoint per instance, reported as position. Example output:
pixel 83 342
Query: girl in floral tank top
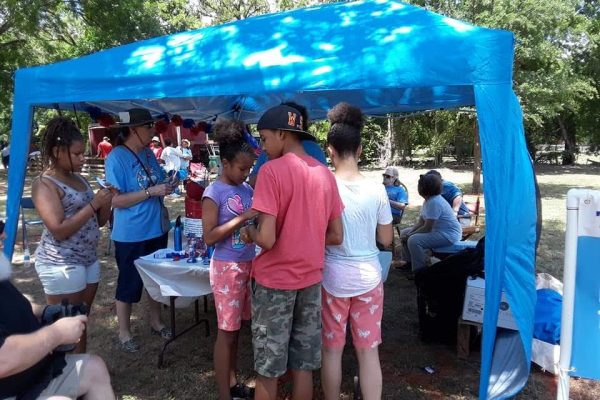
pixel 66 260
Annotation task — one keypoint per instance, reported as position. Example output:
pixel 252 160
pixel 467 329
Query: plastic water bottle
pixel 177 235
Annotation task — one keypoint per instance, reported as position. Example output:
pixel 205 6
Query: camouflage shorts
pixel 286 329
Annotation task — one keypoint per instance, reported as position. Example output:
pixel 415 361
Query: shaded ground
pixel 189 372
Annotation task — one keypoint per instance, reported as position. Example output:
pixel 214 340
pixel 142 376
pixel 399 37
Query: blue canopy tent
pixel 382 56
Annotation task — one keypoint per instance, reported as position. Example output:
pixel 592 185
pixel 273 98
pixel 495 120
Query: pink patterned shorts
pixel 365 313
pixel 230 283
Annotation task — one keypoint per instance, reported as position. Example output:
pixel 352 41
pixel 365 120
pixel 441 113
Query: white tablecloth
pixel 164 277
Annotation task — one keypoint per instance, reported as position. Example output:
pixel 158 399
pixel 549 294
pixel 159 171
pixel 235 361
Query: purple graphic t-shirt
pixel 232 201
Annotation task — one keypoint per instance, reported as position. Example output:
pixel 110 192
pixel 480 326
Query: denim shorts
pixel 286 329
pixel 129 283
pixel 67 279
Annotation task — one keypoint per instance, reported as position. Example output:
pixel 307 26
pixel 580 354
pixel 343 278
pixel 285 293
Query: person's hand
pixel 160 190
pixel 102 198
pixel 245 234
pixel 70 329
pixel 250 214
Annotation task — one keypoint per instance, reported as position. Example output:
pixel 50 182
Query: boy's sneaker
pixel 241 392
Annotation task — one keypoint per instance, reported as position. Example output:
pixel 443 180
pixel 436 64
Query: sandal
pixel 129 346
pixel 165 332
pixel 241 392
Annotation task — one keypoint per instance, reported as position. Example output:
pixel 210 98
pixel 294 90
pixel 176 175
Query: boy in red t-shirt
pixel 300 212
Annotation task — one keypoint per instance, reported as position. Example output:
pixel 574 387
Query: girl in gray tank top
pixel 66 260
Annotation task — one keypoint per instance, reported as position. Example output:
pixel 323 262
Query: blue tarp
pixel 382 56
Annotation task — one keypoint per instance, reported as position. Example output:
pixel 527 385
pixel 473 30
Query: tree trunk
pixel 476 186
pixel 385 153
pixel 568 156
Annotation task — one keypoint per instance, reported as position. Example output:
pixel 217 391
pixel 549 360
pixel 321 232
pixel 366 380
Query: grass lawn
pixel 189 373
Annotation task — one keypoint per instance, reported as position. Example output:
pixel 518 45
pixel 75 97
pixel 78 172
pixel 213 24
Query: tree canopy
pixel 556 75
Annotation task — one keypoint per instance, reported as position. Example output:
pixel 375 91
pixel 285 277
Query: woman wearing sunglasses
pixel 137 229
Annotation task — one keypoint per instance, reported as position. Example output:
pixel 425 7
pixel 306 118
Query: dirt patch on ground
pixel 189 373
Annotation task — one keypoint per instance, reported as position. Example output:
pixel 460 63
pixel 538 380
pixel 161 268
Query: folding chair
pixel 474 216
pixel 27 204
pixel 397 224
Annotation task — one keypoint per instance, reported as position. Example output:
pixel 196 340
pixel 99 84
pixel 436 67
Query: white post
pixel 178 130
pixel 569 274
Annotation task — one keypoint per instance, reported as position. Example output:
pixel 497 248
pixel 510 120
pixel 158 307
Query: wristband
pixel 147 193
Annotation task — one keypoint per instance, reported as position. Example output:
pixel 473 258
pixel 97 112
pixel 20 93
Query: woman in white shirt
pixel 352 287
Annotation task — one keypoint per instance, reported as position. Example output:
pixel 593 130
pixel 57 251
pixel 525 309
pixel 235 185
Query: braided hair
pixel 230 136
pixel 60 132
pixel 344 134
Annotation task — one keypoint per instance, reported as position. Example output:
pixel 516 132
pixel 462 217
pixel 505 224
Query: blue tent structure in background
pixel 382 56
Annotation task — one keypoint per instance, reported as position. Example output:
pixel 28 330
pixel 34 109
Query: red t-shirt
pixel 103 149
pixel 302 194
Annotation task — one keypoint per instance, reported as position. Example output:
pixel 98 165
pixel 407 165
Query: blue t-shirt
pixel 232 201
pixel 449 192
pixel 141 221
pixel 438 209
pixel 311 148
pixel 397 193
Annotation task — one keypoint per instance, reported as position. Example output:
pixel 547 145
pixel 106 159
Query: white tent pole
pixel 570 270
pixel 178 130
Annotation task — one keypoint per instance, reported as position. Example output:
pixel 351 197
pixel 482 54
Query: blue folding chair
pixel 27 204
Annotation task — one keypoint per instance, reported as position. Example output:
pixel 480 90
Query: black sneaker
pixel 241 392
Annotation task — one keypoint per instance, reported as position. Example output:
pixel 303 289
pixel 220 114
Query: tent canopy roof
pixel 382 56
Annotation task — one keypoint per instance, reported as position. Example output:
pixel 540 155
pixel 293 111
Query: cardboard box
pixel 475 302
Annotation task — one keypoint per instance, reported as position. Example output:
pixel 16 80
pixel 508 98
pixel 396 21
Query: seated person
pixel 454 196
pixel 396 194
pixel 29 366
pixel 437 225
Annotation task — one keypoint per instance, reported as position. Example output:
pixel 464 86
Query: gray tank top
pixel 80 248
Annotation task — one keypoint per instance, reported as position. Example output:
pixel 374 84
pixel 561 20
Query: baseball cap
pixel 285 118
pixel 156 139
pixel 391 171
pixel 134 117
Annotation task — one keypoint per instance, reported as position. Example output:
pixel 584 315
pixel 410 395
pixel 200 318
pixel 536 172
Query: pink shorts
pixel 365 312
pixel 230 283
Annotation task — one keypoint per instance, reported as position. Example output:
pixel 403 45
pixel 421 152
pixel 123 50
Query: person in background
pixel 156 147
pixel 186 152
pixel 352 288
pixel 454 196
pixel 225 209
pixel 398 198
pixel 66 259
pixel 30 368
pixel 300 212
pixel 311 147
pixel 5 152
pixel 104 147
pixel 137 228
pixel 171 156
pixel 437 225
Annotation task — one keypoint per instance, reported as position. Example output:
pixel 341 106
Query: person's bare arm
pixel 456 202
pixel 126 200
pixel 213 232
pixel 49 206
pixel 335 232
pixel 425 228
pixel 20 352
pixel 397 205
pixel 385 234
pixel 264 235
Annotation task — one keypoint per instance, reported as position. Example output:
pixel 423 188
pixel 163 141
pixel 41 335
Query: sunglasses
pixel 149 125
pixel 387 176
